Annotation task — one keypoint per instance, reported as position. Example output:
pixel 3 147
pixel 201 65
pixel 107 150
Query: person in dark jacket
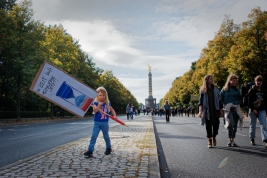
pixel 257 103
pixel 210 108
pixel 167 109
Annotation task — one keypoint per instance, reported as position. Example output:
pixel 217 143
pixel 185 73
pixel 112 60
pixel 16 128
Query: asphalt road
pixel 21 141
pixel 183 152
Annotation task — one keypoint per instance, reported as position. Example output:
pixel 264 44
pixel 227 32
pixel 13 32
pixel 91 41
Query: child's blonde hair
pixel 103 90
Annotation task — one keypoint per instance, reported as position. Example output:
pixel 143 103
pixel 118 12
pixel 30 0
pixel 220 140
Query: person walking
pixel 193 111
pixel 210 108
pixel 188 111
pixel 128 111
pixel 131 111
pixel 144 111
pixel 231 94
pixel 167 108
pixel 100 105
pixel 257 103
pixel 182 111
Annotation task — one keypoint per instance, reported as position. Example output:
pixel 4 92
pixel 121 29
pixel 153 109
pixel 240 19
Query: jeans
pixel 233 118
pixel 131 114
pixel 128 115
pixel 96 129
pixel 253 121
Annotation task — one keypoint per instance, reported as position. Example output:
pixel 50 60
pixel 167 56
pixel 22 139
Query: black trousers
pixel 128 115
pixel 212 127
pixel 167 115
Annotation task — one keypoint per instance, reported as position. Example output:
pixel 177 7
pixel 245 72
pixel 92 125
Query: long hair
pixel 229 78
pixel 103 90
pixel 204 86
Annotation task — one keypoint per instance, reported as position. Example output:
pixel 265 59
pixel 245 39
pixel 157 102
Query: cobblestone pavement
pixel 134 155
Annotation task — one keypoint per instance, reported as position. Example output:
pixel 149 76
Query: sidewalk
pixel 134 155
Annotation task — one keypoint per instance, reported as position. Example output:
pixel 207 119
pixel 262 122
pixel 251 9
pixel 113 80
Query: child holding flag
pixel 100 105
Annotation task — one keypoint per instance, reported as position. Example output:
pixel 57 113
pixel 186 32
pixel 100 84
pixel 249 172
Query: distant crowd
pixel 173 112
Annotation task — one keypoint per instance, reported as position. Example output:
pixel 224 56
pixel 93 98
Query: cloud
pixel 126 36
pixel 114 50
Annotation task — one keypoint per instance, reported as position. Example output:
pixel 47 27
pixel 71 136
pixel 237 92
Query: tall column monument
pixel 150 101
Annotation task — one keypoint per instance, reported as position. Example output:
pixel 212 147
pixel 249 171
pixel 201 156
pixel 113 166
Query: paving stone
pixel 130 156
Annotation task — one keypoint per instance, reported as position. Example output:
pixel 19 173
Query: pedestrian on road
pixel 210 108
pixel 131 111
pixel 188 111
pixel 102 104
pixel 128 111
pixel 257 103
pixel 144 111
pixel 193 110
pixel 167 108
pixel 231 94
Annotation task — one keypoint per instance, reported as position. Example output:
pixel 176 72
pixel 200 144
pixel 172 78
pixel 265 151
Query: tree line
pixel 26 43
pixel 235 48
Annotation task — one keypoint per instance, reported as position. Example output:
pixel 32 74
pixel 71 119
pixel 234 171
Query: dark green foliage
pixel 25 44
pixel 7 4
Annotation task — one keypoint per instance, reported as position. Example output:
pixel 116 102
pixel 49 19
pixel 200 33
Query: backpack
pixel 244 92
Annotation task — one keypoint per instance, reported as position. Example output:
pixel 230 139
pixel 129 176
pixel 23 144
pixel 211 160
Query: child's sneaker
pixel 88 153
pixel 108 151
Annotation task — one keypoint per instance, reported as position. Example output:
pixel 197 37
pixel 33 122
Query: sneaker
pixel 108 151
pixel 252 142
pixel 233 144
pixel 229 144
pixel 88 153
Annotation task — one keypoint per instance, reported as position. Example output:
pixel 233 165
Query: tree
pixel 7 4
pixel 248 56
pixel 21 51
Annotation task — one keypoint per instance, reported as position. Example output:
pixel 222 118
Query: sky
pixel 126 36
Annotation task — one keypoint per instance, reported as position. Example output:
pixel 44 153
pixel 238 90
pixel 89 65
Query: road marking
pixel 71 127
pixel 24 129
pixel 78 123
pixel 236 133
pixel 26 136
